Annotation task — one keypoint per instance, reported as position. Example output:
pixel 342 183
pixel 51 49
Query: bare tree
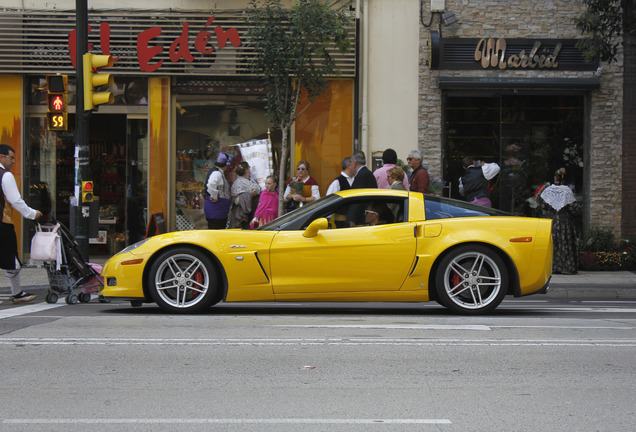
pixel 293 49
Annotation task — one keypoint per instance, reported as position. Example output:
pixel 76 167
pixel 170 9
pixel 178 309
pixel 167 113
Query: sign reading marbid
pixel 179 48
pixel 492 53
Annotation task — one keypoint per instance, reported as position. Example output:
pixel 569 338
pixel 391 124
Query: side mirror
pixel 315 226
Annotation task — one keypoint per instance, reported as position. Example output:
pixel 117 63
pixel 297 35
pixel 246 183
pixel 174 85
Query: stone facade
pixel 543 20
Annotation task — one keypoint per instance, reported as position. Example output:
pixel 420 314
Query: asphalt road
pixel 535 364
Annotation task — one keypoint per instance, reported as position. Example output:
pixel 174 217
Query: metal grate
pixel 37 41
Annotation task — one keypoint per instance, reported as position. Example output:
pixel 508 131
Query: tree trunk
pixel 282 171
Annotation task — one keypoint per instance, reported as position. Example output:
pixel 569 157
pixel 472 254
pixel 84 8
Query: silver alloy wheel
pixel 472 280
pixel 182 280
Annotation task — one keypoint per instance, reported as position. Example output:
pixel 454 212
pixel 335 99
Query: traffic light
pixel 87 192
pixel 93 80
pixel 56 99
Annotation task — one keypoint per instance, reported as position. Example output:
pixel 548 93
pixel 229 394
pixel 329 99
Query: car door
pixel 356 259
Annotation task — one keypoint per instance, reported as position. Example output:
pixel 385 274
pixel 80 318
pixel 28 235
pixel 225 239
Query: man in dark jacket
pixel 364 178
pixel 419 179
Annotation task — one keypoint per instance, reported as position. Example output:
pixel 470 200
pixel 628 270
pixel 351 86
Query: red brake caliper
pixel 198 277
pixel 455 279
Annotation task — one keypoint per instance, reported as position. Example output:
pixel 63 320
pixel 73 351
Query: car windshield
pixel 280 222
pixel 443 208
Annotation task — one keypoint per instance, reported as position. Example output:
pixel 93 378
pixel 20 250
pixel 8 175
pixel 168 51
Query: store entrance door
pixel 118 166
pixel 136 178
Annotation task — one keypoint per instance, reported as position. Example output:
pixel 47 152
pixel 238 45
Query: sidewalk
pixel 608 285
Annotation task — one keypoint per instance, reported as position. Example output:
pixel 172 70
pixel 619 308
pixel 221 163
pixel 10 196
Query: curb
pixel 592 292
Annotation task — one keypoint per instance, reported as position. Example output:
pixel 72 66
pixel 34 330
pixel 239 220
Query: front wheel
pixel 471 280
pixel 183 280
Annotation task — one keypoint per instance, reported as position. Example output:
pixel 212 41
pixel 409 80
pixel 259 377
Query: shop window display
pixel 206 126
pixel 528 136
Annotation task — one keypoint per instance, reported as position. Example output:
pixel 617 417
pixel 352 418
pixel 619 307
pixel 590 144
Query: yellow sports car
pixel 358 245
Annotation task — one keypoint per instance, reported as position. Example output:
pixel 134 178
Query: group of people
pixel 243 204
pixel 356 175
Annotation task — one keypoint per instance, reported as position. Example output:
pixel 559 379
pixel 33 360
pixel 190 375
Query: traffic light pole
pixel 82 118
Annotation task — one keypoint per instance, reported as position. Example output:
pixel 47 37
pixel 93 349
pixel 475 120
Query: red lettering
pixel 231 34
pixel 72 45
pixel 145 53
pixel 179 48
pixel 104 39
pixel 202 39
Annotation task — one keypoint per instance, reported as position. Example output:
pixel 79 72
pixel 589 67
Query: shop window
pixel 207 125
pixel 530 137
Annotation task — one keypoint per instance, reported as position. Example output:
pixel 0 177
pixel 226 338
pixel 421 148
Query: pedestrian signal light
pixel 87 192
pixel 56 100
pixel 94 80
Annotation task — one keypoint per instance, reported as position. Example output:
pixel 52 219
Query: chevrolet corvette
pixel 362 245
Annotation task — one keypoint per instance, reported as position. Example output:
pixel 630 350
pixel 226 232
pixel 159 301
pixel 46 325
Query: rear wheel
pixel 471 280
pixel 183 280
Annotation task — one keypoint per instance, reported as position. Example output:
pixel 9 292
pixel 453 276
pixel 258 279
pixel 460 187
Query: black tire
pixel 183 280
pixel 71 299
pixel 84 297
pixel 471 280
pixel 51 298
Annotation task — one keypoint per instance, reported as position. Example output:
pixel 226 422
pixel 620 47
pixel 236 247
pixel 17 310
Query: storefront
pixel 521 94
pixel 182 94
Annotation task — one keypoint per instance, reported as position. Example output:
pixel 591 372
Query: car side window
pixel 363 212
pixel 438 208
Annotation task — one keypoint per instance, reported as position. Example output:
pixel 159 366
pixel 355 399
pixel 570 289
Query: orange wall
pixel 324 133
pixel 10 123
pixel 158 146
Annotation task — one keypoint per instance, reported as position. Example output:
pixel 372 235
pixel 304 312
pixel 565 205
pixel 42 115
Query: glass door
pixel 136 178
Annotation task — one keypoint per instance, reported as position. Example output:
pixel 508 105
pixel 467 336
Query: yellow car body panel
pixel 236 250
pixel 343 260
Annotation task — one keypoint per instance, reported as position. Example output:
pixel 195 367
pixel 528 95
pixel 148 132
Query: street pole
pixel 82 118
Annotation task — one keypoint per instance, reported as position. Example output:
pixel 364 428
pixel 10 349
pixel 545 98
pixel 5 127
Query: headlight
pixel 133 246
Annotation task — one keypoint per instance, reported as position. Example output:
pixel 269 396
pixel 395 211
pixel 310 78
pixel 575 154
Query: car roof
pixel 376 192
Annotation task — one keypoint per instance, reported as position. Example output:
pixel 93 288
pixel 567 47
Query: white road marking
pixel 226 421
pixel 18 309
pixel 592 309
pixel 563 327
pixel 391 326
pixel 322 342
